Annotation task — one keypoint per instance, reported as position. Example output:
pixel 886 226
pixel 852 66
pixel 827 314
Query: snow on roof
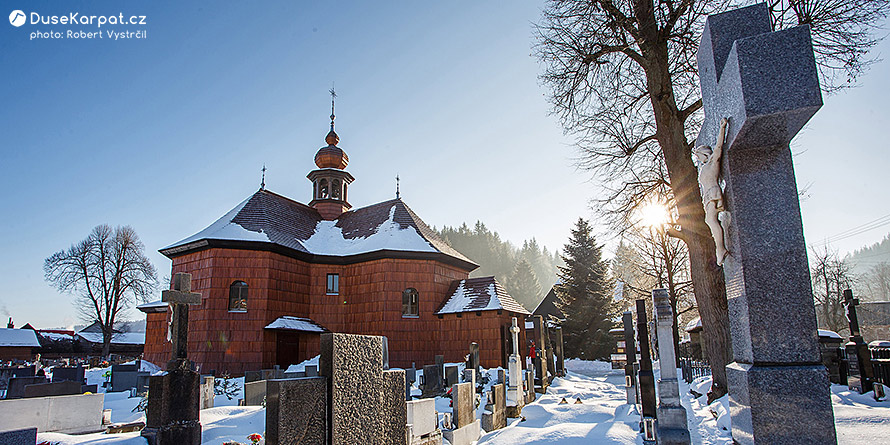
pixel 879 344
pixel 154 306
pixel 328 239
pixel 56 336
pixel 225 229
pixel 480 294
pixel 122 338
pixel 267 217
pixel 18 337
pixel 296 324
pixel 696 323
pixel 829 334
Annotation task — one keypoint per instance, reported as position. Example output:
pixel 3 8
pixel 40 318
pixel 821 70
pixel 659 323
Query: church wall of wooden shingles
pixel 369 302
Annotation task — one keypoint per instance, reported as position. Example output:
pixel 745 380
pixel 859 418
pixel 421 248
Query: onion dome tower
pixel 330 181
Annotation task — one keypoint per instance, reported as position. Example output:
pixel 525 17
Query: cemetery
pixel 286 323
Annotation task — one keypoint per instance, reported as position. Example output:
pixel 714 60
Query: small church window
pixel 409 303
pixel 333 284
pixel 335 189
pixel 238 297
pixel 323 189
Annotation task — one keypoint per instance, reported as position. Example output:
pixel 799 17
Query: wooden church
pixel 275 273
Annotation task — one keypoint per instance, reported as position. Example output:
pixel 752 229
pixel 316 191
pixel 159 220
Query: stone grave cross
pixel 766 84
pixel 515 389
pixel 180 298
pixel 671 425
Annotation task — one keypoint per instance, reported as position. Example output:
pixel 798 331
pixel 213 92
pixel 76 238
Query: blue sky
pixel 169 132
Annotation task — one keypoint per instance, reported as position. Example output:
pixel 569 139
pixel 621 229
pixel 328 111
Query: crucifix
pixel 850 304
pixel 179 299
pixel 766 85
pixel 860 373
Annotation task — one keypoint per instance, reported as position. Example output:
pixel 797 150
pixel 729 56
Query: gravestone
pixel 8 372
pixel 27 436
pixel 174 399
pixel 207 391
pixel 423 421
pixel 255 393
pixel 514 391
pixel 466 427
pixel 63 388
pixel 645 377
pixel 68 373
pixel 495 416
pixel 671 426
pixel 433 382
pixel 463 404
pixel 311 371
pixel 502 377
pixel 440 361
pixel 353 366
pixel 530 394
pixel 559 351
pixel 540 359
pixel 452 375
pixel 469 377
pixel 630 349
pixel 385 353
pixel 410 378
pixel 296 411
pixel 860 374
pixel 15 388
pixel 393 410
pixel 123 376
pixel 766 84
pixel 473 360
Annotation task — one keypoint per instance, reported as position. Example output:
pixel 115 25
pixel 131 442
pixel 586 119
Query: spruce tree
pixel 584 297
pixel 523 285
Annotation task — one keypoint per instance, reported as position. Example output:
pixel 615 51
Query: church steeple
pixel 330 181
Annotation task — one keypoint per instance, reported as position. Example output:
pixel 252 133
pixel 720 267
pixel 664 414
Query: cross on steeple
pixel 333 96
pixel 397 186
pixel 263 183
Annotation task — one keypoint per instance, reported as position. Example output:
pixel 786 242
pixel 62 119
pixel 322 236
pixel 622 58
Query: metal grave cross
pixel 180 298
pixel 767 85
pixel 850 304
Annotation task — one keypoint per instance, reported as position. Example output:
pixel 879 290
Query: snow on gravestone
pixel 766 84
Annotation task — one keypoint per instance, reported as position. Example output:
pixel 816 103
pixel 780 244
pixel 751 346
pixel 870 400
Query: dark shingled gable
pixel 476 296
pixel 287 223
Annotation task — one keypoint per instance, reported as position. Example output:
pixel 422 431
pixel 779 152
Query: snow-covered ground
pixel 603 417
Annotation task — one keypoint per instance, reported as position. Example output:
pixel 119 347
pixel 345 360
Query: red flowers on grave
pixel 255 438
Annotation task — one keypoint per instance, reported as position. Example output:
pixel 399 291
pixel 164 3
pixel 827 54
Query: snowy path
pixel 602 418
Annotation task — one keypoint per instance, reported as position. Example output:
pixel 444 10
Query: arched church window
pixel 323 189
pixel 335 189
pixel 238 296
pixel 410 303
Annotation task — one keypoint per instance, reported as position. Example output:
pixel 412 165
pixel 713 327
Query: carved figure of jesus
pixel 716 215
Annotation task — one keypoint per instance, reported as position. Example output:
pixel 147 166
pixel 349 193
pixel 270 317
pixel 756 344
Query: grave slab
pixel 296 411
pixel 255 393
pixel 465 435
pixel 394 411
pixel 421 414
pixel 64 414
pixel 353 365
pixel 463 404
pixel 63 388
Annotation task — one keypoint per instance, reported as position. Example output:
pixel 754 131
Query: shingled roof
pixel 270 221
pixel 479 294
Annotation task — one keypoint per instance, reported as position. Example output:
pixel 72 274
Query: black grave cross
pixel 850 304
pixel 180 297
pixel 767 85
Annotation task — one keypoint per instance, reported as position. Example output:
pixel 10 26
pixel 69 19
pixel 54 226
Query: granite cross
pixel 180 298
pixel 767 85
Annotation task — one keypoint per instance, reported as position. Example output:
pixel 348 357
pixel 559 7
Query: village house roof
pixel 479 294
pixel 268 221
pixel 18 338
pixel 289 323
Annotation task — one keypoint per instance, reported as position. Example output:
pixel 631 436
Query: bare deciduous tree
pixel 831 276
pixel 875 283
pixel 623 80
pixel 108 271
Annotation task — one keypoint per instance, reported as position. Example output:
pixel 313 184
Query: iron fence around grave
pixel 880 362
pixel 691 366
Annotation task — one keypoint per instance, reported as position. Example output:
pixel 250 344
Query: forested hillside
pixel 527 271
